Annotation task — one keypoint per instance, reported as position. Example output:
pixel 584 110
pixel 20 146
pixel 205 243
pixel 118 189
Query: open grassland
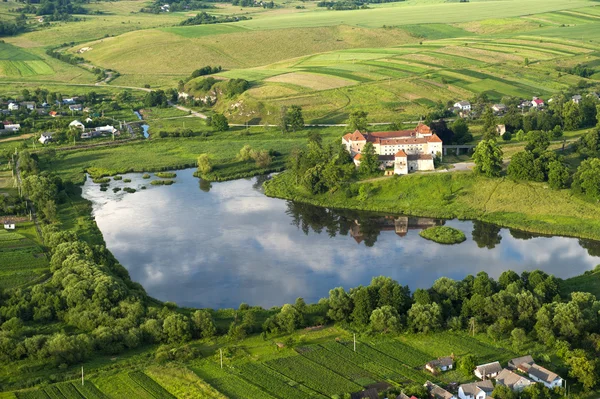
pixel 526 206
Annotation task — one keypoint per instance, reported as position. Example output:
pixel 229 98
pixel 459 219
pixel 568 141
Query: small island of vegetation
pixel 443 235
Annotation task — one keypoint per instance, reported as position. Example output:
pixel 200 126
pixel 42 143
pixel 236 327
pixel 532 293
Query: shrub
pixel 166 175
pixel 118 178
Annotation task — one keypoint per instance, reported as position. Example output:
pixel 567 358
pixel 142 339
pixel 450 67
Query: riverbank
pixel 531 207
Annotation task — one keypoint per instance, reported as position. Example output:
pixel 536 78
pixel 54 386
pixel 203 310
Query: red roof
pixel 400 154
pixel 357 157
pixel 356 136
pixel 423 129
pixel 538 101
pixel 434 139
pixel 53 112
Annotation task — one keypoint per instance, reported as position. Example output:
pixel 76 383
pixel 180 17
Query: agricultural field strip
pixel 313 375
pixel 335 363
pixel 275 383
pixel 228 383
pixel 149 385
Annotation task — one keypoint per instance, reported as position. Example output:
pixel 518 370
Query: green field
pixel 324 365
pixel 22 260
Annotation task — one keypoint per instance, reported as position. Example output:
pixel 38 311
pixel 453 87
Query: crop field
pixel 319 369
pixel 22 260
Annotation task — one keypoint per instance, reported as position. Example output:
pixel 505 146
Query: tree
pixel 572 116
pixel 289 318
pixel 262 158
pixel 245 153
pixel 523 167
pixel 176 327
pixel 385 319
pixel 488 158
pixel 203 325
pixel 461 131
pixel 583 368
pixel 558 175
pixel 204 164
pixel 537 141
pixel 295 118
pixel 219 123
pixel 587 178
pixel 507 136
pixel 363 306
pixel 466 365
pixel 518 338
pixel 557 132
pixel 358 121
pixel 340 305
pixel 283 119
pixel 369 161
pixel 425 318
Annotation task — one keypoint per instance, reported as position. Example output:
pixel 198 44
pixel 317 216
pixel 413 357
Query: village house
pixel 405 150
pixel 29 105
pixel 76 107
pixel 11 127
pixel 499 108
pixel 488 370
pixel 576 98
pixel 53 114
pixel 441 364
pixel 71 100
pixel 540 374
pixel 45 138
pixel 476 390
pixel 77 125
pixel 500 129
pixel 404 396
pixel 537 103
pixel 463 106
pixel 518 361
pixel 512 380
pixel 437 392
pixel 13 106
pixel 9 226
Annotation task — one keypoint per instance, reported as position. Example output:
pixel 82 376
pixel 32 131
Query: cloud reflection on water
pixel 233 245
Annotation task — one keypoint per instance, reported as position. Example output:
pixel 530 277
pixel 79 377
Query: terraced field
pixel 315 371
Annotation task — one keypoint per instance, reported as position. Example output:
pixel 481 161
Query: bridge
pixel 458 148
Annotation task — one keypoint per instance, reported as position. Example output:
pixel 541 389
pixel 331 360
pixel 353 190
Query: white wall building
pixel 548 378
pixel 476 390
pixel 405 150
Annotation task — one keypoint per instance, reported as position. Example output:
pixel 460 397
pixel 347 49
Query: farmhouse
pixel 500 129
pixel 545 376
pixel 537 103
pixel 576 98
pixel 488 370
pixel 476 390
pixel 77 125
pixel 499 108
pixel 405 150
pixel 11 127
pixel 9 226
pixel 53 114
pixel 512 380
pixel 29 105
pixel 518 361
pixel 443 364
pixel 463 105
pixel 76 107
pixel 13 106
pixel 436 392
pixel 45 138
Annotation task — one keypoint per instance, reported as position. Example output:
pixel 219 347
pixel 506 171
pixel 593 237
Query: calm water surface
pixel 220 244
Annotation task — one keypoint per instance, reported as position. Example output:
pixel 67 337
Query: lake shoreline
pixel 280 187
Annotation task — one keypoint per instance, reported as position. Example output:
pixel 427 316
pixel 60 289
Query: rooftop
pixel 542 373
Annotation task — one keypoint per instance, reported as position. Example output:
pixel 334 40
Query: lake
pixel 216 245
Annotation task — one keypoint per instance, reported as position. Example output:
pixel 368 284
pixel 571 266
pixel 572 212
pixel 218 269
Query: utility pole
pixel 355 342
pixel 81 375
pixel 221 351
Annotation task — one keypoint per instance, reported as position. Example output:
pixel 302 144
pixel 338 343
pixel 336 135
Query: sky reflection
pixel 233 244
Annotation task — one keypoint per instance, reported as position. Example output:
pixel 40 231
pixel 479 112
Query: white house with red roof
pixel 537 102
pixel 404 150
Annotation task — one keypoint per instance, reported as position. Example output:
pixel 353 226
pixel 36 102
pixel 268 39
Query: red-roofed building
pixel 404 150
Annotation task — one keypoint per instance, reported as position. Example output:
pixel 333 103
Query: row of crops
pixel 314 371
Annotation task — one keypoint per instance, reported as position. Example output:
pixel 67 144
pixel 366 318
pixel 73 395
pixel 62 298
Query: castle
pixel 405 150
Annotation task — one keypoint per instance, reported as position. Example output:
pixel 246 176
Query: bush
pixel 166 175
pixel 161 183
pixel 118 178
pixel 146 176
